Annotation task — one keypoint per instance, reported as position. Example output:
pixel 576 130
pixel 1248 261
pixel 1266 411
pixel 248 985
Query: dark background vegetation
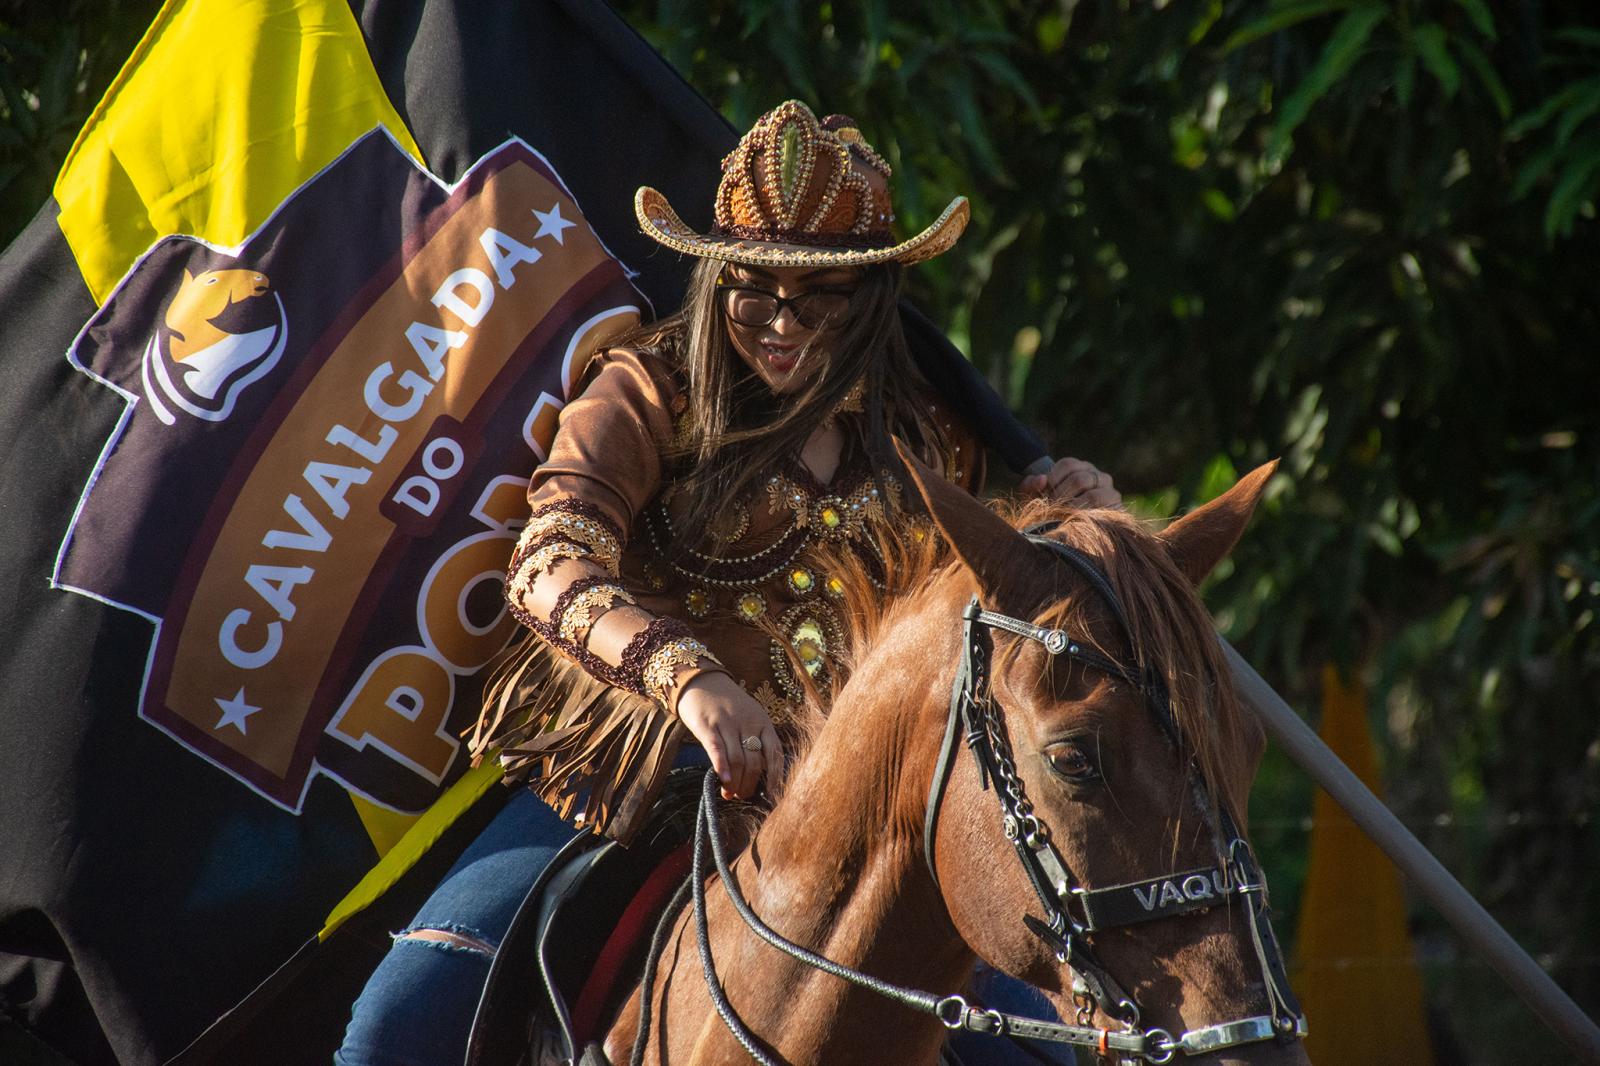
pixel 1357 235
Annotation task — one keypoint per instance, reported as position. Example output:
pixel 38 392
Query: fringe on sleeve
pixel 598 754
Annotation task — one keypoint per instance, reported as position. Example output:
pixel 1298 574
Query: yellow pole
pixel 1355 968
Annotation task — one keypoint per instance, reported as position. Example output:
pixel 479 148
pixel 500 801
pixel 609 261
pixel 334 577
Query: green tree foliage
pixel 1356 235
pixel 55 62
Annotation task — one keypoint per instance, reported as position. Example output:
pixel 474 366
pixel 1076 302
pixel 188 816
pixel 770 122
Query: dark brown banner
pixel 319 478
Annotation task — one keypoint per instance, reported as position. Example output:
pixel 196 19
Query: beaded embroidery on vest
pixel 728 577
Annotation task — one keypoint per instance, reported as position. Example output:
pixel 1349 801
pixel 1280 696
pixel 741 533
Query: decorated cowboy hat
pixel 799 192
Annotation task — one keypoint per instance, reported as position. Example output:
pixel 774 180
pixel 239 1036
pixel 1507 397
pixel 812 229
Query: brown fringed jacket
pixel 757 593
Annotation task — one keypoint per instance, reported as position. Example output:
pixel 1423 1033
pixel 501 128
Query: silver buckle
pixel 1232 1034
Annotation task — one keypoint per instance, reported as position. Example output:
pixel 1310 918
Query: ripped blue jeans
pixel 417 1007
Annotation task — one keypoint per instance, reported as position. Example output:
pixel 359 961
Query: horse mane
pixel 1173 635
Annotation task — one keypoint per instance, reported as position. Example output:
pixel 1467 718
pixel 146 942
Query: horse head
pixel 1134 759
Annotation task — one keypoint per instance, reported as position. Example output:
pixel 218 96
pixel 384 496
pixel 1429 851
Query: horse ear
pixel 1202 538
pixel 981 539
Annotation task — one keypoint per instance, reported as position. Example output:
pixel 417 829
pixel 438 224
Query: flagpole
pixel 1474 924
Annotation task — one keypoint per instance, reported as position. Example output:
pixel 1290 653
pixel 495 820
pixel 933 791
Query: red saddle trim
pixel 637 923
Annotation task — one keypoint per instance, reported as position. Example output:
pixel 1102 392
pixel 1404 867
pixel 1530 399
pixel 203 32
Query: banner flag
pixel 281 355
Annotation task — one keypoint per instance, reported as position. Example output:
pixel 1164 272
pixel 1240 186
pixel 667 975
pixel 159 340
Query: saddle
pixel 578 941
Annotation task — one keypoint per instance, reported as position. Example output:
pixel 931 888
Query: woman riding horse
pixel 672 572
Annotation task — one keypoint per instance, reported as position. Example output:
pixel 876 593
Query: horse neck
pixel 838 865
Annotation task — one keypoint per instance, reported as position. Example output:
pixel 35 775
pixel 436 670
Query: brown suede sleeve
pixel 607 450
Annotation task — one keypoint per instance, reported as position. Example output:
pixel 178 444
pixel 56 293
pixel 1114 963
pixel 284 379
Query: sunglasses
pixel 749 306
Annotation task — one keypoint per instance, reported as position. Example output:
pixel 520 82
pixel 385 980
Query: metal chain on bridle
pixel 978 718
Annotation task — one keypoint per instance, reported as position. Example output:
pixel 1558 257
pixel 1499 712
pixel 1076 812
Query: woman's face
pixel 792 347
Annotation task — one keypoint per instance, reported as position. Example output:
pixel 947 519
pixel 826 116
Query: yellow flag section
pixel 1356 973
pixel 402 839
pixel 222 111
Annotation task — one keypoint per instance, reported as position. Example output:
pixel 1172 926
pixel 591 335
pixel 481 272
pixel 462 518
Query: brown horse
pixel 840 865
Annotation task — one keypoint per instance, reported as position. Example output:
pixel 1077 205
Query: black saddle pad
pixel 560 929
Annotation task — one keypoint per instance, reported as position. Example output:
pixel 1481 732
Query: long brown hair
pixel 737 431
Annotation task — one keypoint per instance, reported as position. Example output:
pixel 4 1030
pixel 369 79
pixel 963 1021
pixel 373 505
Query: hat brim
pixel 662 223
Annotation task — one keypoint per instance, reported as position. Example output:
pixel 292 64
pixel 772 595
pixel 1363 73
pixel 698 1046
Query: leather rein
pixel 978 718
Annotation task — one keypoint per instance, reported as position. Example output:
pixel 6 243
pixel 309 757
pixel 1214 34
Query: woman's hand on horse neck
pixel 712 706
pixel 1074 481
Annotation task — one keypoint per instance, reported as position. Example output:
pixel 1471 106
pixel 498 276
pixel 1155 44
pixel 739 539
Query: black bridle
pixel 979 718
pixel 975 714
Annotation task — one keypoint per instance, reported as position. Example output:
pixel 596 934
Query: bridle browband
pixel 977 717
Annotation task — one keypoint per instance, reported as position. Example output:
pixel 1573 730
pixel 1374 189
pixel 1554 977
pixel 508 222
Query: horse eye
pixel 1071 760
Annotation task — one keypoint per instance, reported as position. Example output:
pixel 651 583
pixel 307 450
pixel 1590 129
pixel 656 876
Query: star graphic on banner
pixel 235 711
pixel 551 223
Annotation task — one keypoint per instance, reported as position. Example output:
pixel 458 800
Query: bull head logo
pixel 223 330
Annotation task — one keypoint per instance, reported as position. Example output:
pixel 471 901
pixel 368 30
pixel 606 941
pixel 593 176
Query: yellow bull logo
pixel 223 330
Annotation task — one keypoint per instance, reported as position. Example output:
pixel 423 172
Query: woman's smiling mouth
pixel 780 357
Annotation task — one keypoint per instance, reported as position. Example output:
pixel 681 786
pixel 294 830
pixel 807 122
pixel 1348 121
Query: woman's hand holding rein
pixel 724 718
pixel 727 721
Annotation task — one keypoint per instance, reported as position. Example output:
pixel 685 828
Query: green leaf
pixel 1341 52
pixel 1218 477
pixel 1532 120
pixel 1051 33
pixel 1202 25
pixel 1583 105
pixel 1405 78
pixel 1189 146
pixel 1478 11
pixel 913 60
pixel 756 13
pixel 875 16
pixel 797 69
pixel 1000 69
pixel 21 116
pixel 1534 170
pixel 974 130
pixel 1432 46
pixel 1576 187
pixel 1385 538
pixel 1281 19
pixel 875 23
pixel 1488 77
pixel 1579 35
pixel 1218 203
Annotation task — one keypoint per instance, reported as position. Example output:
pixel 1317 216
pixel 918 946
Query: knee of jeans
pixel 449 937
